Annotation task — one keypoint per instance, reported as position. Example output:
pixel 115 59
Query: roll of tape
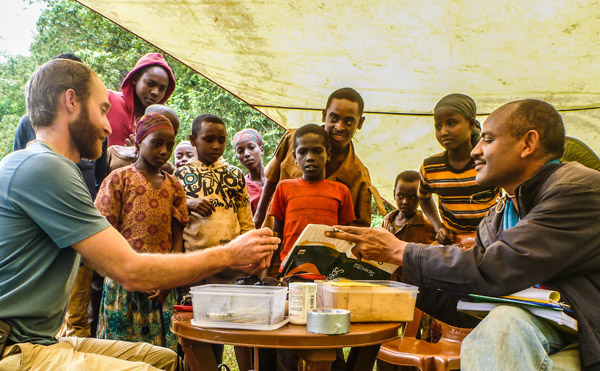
pixel 328 321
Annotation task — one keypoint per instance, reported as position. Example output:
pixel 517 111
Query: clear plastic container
pixel 388 301
pixel 237 306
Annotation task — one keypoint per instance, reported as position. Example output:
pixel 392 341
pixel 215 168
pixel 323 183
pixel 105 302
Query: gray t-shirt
pixel 45 208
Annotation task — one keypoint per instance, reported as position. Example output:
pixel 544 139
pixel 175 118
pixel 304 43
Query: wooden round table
pixel 318 351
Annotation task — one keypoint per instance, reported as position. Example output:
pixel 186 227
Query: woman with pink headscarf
pixel 249 149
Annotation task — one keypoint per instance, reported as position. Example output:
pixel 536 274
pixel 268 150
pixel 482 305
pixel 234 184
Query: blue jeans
pixel 511 338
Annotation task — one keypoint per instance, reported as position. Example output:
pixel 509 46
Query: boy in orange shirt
pixel 311 199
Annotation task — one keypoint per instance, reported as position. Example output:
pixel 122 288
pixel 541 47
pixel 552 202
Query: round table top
pixel 287 336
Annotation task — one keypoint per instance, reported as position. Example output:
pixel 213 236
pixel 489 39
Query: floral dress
pixel 142 214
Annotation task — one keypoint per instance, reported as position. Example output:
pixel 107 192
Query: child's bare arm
pixel 200 205
pixel 429 208
pixel 277 231
pixel 278 228
pixel 176 236
pixel 263 203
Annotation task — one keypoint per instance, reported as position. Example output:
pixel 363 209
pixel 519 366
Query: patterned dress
pixel 142 214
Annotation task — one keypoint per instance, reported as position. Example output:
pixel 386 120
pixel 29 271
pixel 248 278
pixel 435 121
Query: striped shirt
pixel 454 188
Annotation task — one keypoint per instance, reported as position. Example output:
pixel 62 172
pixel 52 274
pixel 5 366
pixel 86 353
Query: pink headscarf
pixel 151 123
pixel 251 134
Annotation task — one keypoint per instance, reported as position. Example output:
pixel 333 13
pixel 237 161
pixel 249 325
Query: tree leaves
pixel 111 51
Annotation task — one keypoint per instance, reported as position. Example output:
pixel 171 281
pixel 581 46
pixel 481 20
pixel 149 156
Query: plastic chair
pixel 409 351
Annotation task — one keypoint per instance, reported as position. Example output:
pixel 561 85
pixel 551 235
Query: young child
pixel 183 153
pixel 216 192
pixel 147 206
pixel 410 225
pixel 451 174
pixel 249 149
pixel 311 199
pixel 121 156
pixel 406 222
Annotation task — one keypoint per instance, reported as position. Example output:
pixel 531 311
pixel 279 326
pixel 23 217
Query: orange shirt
pixel 298 202
pixel 352 173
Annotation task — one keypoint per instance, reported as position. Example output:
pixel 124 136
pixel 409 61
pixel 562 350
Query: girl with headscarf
pixel 249 149
pixel 451 174
pixel 148 207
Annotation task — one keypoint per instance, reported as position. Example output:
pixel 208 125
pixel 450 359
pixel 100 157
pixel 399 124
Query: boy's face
pixel 407 199
pixel 209 141
pixel 342 119
pixel 183 153
pixel 151 85
pixel 157 147
pixel 311 155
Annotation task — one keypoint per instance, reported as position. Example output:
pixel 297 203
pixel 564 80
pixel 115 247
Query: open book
pixel 541 303
pixel 316 256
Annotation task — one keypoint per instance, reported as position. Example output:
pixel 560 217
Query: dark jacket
pixel 556 242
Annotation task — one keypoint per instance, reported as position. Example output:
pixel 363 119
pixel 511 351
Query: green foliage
pixel 376 218
pixel 14 73
pixel 8 126
pixel 111 51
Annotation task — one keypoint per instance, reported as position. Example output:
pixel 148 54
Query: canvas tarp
pixel 285 57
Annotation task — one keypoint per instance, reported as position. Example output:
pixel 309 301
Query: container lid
pixel 220 289
pixel 383 285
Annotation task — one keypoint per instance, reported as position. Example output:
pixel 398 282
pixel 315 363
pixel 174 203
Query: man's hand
pixel 251 250
pixel 372 244
pixel 200 205
pixel 158 296
pixel 444 236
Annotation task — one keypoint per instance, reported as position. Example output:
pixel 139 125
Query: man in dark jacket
pixel 545 231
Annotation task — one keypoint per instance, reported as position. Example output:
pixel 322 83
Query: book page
pixel 331 257
pixel 315 233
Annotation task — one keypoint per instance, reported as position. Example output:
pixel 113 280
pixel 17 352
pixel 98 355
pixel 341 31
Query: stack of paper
pixel 541 303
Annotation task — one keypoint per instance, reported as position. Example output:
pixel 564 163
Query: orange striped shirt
pixel 454 188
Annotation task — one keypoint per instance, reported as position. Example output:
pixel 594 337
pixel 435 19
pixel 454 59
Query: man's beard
pixel 86 137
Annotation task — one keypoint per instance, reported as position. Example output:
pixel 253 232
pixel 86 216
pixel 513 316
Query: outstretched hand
pixel 372 244
pixel 251 251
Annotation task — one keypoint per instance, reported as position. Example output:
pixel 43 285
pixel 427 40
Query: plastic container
pixel 237 306
pixel 389 301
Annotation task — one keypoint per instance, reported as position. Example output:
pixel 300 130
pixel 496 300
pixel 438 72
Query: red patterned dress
pixel 142 214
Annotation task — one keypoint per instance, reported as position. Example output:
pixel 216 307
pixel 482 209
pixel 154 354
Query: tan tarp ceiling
pixel 285 57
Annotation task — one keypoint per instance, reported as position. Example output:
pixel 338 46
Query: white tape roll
pixel 328 321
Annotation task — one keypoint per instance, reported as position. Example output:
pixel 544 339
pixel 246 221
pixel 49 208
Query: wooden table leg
pixel 362 358
pixel 200 356
pixel 256 359
pixel 316 359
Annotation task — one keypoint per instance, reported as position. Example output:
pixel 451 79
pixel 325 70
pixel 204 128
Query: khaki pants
pixel 77 311
pixel 81 354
